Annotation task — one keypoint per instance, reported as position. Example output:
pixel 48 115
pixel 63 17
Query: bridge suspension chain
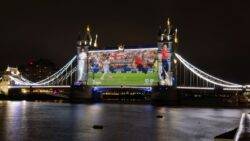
pixel 51 79
pixel 204 76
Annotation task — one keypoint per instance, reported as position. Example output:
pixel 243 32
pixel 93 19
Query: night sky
pixel 214 35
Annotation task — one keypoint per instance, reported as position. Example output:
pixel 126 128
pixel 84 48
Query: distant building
pixel 12 71
pixel 5 79
pixel 36 70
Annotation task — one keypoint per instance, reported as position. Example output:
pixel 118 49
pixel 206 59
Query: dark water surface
pixel 48 121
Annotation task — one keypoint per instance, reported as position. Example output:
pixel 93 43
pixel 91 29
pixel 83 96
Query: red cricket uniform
pixel 164 53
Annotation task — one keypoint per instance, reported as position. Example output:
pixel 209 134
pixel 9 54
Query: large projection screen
pixel 129 67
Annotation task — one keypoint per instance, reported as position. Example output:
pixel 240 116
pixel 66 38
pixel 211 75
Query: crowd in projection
pixel 123 61
pixel 134 60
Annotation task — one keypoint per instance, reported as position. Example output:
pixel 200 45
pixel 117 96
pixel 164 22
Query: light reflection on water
pixel 22 120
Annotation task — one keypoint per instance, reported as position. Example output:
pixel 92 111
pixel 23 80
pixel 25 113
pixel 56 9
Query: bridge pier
pixel 164 95
pixel 15 94
pixel 80 93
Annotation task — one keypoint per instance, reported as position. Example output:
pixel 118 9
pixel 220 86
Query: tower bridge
pixel 150 68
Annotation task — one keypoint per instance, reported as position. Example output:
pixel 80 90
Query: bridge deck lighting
pixel 24 91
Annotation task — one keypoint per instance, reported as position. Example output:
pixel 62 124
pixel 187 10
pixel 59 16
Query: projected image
pixel 136 67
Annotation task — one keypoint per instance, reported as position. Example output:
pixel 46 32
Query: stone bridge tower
pixel 167 46
pixel 84 43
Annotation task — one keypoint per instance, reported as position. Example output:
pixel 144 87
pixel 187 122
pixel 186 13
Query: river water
pixel 50 121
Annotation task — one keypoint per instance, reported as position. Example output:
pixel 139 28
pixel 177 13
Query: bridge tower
pixel 167 46
pixel 84 43
pixel 165 92
pixel 80 91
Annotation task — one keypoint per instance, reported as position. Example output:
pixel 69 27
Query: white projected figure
pixel 82 67
pixel 105 68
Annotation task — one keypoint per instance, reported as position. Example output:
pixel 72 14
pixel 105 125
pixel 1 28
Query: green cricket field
pixel 125 79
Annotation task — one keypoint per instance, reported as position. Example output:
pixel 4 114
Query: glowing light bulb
pixel 175 61
pixel 88 28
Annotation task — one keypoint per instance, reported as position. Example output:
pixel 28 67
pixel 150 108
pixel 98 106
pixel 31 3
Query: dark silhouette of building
pixel 36 70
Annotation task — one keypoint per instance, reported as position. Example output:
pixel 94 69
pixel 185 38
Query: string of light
pixel 205 76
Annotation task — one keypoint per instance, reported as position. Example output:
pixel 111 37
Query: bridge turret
pixel 84 44
pixel 96 40
pixel 160 34
pixel 79 43
pixel 87 40
pixel 176 36
pixel 167 38
pixel 169 26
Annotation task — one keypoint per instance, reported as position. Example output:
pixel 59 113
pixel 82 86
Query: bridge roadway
pixel 212 88
pixel 38 87
pixel 132 87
